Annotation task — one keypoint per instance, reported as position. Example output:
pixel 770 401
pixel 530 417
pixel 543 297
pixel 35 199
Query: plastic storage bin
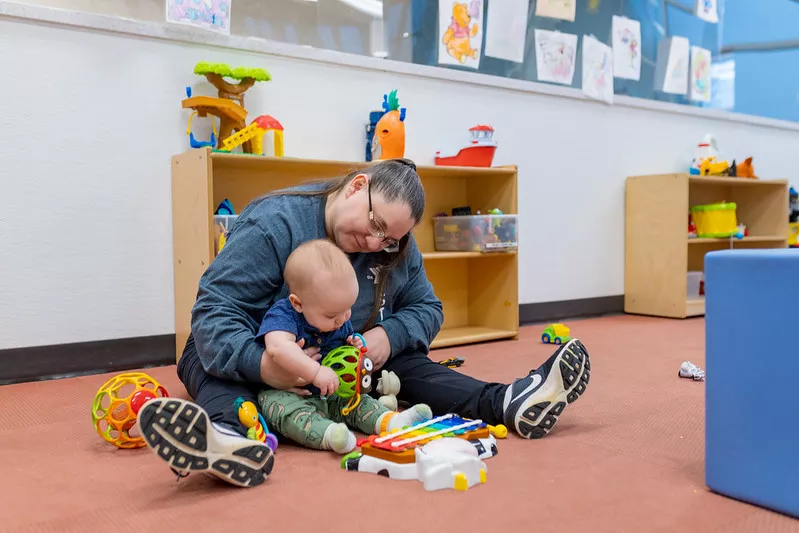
pixel 715 220
pixel 694 281
pixel 476 233
pixel 222 225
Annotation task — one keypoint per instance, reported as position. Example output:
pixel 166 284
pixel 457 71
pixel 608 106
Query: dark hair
pixel 397 181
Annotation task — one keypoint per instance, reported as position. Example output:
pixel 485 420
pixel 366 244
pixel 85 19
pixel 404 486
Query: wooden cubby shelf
pixel 658 252
pixel 479 291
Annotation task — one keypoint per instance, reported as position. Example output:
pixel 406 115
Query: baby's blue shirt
pixel 283 317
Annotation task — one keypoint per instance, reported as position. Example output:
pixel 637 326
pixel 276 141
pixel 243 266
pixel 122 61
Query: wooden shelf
pixel 470 334
pixel 734 182
pixel 432 256
pixel 321 167
pixel 727 240
pixel 657 258
pixel 479 291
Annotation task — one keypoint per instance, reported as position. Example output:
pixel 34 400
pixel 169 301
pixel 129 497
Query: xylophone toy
pixel 443 453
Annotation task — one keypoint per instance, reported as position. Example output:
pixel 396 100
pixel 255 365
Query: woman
pixel 369 214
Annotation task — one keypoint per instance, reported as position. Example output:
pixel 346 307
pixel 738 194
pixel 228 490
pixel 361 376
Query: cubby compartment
pixel 477 295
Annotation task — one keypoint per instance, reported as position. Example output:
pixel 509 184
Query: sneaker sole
pixel 181 434
pixel 566 382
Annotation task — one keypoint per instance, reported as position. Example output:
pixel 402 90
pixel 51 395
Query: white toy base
pixel 444 463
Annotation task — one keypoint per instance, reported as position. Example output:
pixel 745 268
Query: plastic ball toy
pixel 117 404
pixel 354 371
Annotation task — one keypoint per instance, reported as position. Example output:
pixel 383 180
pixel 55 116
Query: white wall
pixel 291 21
pixel 91 120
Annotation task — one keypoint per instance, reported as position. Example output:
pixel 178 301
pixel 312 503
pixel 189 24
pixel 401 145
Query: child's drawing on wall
pixel 597 70
pixel 461 32
pixel 209 14
pixel 700 74
pixel 555 54
pixel 626 48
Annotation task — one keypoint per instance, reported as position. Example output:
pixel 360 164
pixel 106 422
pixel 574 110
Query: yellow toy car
pixel 555 334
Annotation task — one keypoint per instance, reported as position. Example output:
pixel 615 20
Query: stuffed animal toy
pixel 746 170
pixel 388 386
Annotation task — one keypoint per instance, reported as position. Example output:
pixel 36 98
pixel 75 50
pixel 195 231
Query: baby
pixel 323 287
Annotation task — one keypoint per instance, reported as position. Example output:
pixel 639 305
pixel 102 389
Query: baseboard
pixel 40 363
pixel 68 360
pixel 583 308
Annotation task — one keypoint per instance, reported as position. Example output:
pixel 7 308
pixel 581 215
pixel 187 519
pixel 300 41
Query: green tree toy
pixel 216 73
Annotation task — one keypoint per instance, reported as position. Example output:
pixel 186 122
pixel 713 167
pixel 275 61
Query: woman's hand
pixel 378 347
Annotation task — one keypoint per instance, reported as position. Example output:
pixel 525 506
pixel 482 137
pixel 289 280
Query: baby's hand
pixel 326 381
pixel 355 340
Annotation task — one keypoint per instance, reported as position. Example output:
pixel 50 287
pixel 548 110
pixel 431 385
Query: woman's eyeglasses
pixel 376 229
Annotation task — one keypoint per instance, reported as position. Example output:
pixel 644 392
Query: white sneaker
pixel 690 370
pixel 181 434
pixel 533 403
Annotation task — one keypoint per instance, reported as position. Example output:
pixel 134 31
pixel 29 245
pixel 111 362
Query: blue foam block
pixel 752 385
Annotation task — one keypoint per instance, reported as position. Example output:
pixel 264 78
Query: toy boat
pixel 478 153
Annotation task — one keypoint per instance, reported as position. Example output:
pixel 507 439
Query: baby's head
pixel 322 284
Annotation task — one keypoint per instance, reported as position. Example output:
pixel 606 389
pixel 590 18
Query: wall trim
pixel 583 308
pixel 186 34
pixel 39 363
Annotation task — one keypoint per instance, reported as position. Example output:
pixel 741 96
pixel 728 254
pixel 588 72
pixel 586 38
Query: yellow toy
pixel 556 334
pixel 255 423
pixel 117 404
pixel 711 167
pixel 793 235
pixel 715 220
pixel 255 133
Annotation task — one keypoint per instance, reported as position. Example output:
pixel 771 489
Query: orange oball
pixel 119 410
pixel 117 404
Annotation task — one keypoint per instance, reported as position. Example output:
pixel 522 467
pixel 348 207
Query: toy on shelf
pixel 193 142
pixel 255 423
pixel 224 217
pixel 116 407
pixel 492 232
pixel 712 167
pixel 691 227
pixel 715 220
pixel 445 452
pixel 706 162
pixel 793 218
pixel 478 153
pixel 389 138
pixel 228 106
pixel 746 169
pixel 354 371
pixel 374 118
pixel 556 334
pixel 225 207
pixel 254 133
pixel 704 150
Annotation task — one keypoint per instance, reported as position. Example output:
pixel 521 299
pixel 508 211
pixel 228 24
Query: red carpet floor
pixel 628 456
